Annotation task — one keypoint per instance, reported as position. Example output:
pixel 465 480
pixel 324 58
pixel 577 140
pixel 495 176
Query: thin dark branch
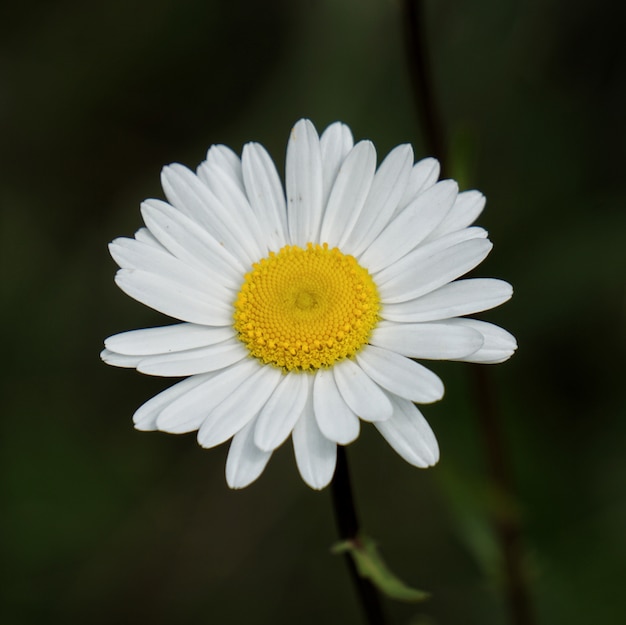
pixel 507 526
pixel 348 527
pixel 506 521
pixel 422 81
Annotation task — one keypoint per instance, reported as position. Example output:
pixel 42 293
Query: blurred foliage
pixel 103 524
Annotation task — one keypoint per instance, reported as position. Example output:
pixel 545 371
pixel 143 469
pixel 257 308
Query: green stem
pixel 348 528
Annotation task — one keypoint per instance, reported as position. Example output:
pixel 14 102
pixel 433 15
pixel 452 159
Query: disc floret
pixel 303 309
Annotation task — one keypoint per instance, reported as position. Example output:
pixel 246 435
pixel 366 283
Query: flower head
pixel 302 313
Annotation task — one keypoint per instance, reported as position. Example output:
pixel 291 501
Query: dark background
pixel 103 524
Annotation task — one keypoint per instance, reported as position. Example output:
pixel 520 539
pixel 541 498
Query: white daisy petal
pixel 468 206
pixel 222 157
pixel 421 272
pixel 194 361
pixel 119 360
pixel 191 243
pixel 170 298
pixel 143 235
pixel 190 195
pixel 498 344
pixel 463 297
pixel 265 193
pixel 411 226
pixel 145 417
pixel 279 415
pixel 304 182
pixel 387 189
pixel 409 434
pixel 164 339
pixel 133 255
pixel 245 461
pixel 335 419
pixel 187 412
pixel 427 250
pixel 360 392
pixel 349 193
pixel 335 143
pixel 431 341
pixel 233 200
pixel 400 375
pixel 239 408
pixel 316 456
pixel 424 175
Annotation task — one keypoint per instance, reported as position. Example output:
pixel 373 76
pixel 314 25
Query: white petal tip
pixel 145 427
pixel 427 457
pixel 321 485
pixel 119 360
pixel 434 397
pixel 239 482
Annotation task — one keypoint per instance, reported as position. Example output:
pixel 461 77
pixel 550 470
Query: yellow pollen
pixel 303 309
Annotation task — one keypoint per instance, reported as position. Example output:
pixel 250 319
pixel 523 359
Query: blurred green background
pixel 103 524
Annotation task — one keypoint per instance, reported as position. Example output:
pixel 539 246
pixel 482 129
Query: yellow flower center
pixel 305 309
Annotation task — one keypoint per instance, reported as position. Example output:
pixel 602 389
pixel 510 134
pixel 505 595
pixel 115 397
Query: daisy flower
pixel 303 310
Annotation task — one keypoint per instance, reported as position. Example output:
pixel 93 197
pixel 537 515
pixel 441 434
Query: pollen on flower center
pixel 302 309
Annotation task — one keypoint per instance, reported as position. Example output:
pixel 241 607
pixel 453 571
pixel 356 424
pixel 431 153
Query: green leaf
pixel 370 565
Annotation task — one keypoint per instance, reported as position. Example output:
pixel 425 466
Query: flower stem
pixel 507 526
pixel 348 528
